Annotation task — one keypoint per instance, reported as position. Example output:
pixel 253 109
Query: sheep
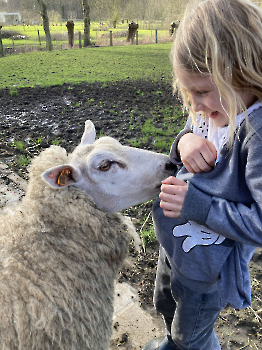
pixel 63 245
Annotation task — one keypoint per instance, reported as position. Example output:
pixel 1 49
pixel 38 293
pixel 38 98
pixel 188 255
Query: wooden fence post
pixel 1 43
pixel 111 38
pixel 156 36
pixel 80 40
pixel 137 37
pixel 39 37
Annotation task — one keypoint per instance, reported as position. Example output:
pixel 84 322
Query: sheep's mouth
pixel 170 167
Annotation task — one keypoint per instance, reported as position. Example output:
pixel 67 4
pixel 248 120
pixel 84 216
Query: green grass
pixel 99 35
pixel 104 64
pixel 162 137
pixel 23 160
pixel 13 91
pixel 19 145
pixel 55 142
pixel 148 236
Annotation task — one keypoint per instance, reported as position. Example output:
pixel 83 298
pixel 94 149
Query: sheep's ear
pixel 61 175
pixel 89 134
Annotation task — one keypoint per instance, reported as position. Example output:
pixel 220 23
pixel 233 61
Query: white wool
pixel 60 256
pixel 61 253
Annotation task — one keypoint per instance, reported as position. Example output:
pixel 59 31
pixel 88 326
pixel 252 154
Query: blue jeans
pixel 189 316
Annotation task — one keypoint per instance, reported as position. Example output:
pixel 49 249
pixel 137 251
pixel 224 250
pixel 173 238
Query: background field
pixel 99 35
pixel 104 64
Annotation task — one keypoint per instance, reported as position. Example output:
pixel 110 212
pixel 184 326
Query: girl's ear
pixel 61 175
pixel 89 134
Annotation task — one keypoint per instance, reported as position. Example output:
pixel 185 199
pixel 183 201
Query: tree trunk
pixel 86 14
pixel 44 15
pixel 1 44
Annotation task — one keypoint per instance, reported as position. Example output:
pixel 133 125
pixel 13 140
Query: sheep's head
pixel 114 176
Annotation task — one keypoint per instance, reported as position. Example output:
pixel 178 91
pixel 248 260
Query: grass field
pixel 99 34
pixel 105 64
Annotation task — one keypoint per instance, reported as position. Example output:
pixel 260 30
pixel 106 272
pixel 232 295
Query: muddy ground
pixel 39 117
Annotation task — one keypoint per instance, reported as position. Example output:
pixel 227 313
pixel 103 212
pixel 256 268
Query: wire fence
pixel 99 37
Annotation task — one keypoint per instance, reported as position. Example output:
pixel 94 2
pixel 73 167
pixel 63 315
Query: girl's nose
pixel 197 105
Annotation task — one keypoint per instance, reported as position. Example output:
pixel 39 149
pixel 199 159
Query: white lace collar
pixel 218 136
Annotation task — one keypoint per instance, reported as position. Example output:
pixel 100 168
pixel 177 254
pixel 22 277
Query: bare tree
pixel 39 7
pixel 44 15
pixel 86 14
pixel 148 10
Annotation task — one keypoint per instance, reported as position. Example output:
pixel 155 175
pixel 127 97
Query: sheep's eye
pixel 105 165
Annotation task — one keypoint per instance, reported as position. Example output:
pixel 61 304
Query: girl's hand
pixel 172 195
pixel 196 153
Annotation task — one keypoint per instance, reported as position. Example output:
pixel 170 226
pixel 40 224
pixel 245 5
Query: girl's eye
pixel 202 92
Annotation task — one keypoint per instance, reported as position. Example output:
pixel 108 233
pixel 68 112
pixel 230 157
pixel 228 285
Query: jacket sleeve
pixel 237 221
pixel 174 156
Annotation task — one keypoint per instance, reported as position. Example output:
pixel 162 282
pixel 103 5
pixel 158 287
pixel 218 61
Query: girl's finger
pixel 213 149
pixel 170 206
pixel 198 164
pixel 171 180
pixel 171 193
pixel 171 214
pixel 208 157
pixel 192 167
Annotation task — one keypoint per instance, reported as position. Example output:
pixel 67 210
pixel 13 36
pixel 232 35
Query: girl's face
pixel 205 97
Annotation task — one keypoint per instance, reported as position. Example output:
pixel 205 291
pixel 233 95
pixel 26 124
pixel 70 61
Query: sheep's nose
pixel 170 167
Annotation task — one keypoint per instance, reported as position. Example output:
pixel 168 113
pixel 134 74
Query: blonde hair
pixel 221 39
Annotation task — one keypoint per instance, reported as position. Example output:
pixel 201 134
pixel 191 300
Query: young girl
pixel 209 217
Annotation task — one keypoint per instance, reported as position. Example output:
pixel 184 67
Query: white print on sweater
pixel 196 235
